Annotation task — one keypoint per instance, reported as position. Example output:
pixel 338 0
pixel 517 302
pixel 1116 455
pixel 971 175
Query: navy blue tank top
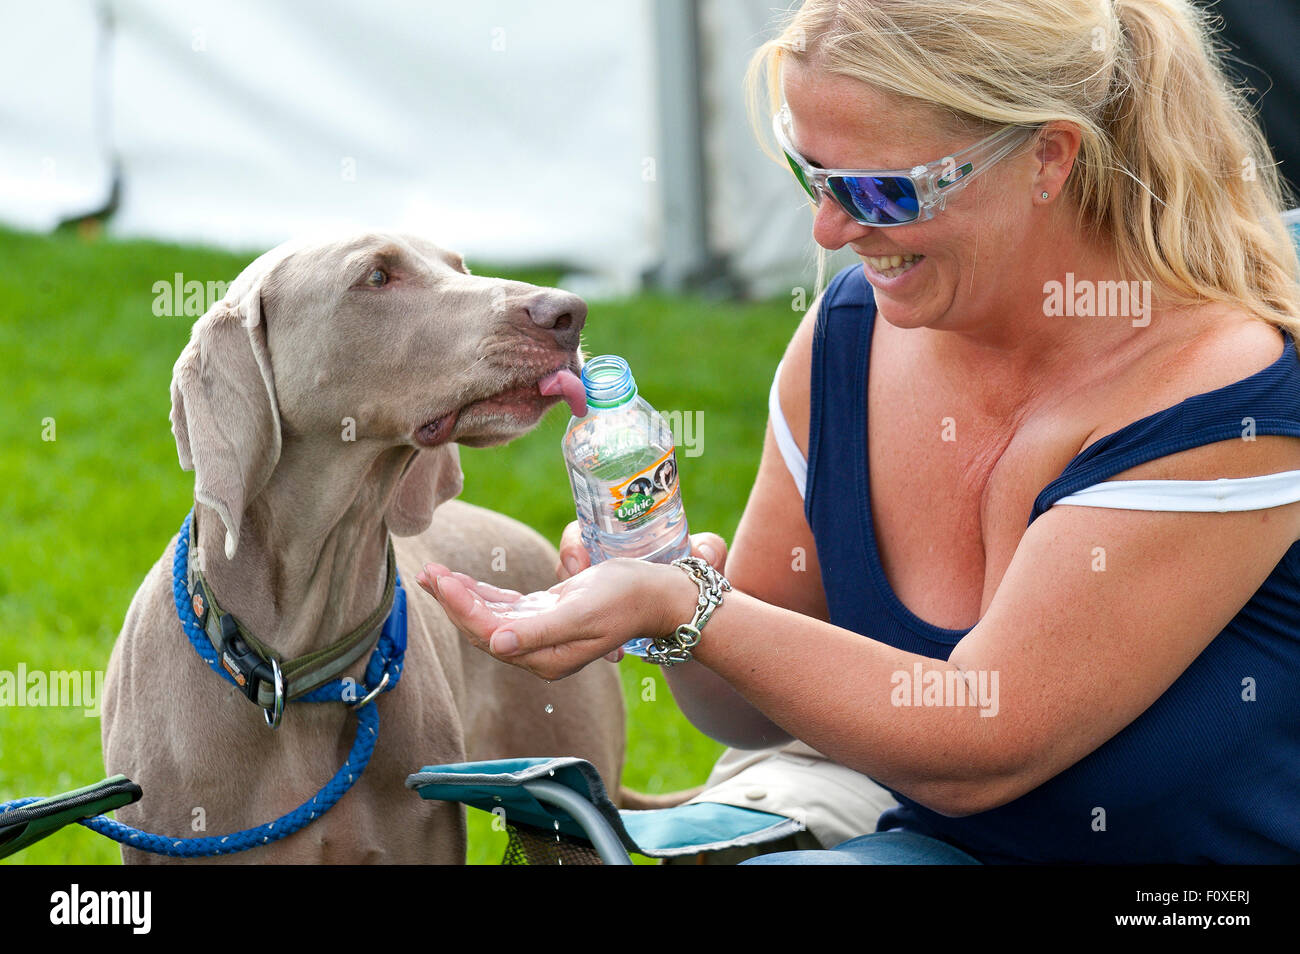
pixel 1203 775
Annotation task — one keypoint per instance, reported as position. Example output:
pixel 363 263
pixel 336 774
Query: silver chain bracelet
pixel 669 650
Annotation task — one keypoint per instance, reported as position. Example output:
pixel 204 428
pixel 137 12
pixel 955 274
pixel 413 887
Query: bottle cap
pixel 608 381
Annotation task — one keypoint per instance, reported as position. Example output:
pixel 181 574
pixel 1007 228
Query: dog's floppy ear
pixel 224 411
pixel 431 478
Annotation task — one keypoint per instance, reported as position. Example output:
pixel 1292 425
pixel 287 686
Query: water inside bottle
pixel 623 473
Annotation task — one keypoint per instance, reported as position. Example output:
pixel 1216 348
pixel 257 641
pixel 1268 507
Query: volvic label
pixel 640 495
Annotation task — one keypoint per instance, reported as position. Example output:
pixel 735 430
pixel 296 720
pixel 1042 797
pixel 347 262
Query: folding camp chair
pixel 556 811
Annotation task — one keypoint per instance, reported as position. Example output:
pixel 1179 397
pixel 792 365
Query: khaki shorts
pixel 833 803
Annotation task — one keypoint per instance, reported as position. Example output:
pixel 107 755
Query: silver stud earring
pixel 1046 196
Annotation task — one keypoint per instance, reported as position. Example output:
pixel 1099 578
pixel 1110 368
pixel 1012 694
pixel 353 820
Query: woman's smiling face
pixel 951 268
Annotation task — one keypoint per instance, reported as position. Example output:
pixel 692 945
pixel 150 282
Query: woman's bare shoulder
pixel 794 383
pixel 1219 347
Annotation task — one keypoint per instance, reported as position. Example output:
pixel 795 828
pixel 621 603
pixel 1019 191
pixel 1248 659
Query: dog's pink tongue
pixel 566 384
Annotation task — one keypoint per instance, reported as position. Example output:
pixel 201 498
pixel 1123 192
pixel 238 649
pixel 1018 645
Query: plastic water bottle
pixel 623 472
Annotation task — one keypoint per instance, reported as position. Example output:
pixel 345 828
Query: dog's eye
pixel 377 278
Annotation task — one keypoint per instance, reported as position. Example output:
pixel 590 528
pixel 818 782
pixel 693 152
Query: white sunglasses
pixel 885 198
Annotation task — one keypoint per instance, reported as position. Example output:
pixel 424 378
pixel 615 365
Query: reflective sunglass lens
pixel 798 174
pixel 873 200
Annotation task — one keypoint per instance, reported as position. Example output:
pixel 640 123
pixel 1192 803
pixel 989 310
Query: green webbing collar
pixel 301 675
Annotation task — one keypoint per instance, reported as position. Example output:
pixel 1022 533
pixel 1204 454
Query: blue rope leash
pixel 282 827
pixel 386 658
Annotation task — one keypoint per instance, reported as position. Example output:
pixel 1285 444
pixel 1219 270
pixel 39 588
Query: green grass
pixel 85 515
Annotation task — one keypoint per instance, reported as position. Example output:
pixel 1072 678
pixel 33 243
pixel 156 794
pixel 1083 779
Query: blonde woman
pixel 1044 442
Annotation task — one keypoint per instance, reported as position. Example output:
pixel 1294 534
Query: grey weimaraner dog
pixel 320 405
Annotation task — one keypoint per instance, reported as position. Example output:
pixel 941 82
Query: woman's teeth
pixel 885 264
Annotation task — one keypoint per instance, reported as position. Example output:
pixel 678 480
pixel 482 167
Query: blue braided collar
pixel 382 674
pixel 385 660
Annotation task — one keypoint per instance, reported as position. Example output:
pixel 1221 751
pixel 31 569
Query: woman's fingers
pixel 541 620
pixel 543 628
pixel 547 645
pixel 711 548
pixel 466 609
pixel 493 595
pixel 573 555
pixel 574 558
pixel 556 632
pixel 489 592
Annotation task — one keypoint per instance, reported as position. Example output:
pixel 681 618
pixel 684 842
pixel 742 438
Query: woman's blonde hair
pixel 1172 168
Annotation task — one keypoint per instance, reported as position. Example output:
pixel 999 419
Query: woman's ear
pixel 1056 150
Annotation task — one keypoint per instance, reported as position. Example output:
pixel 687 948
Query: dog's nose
pixel 561 313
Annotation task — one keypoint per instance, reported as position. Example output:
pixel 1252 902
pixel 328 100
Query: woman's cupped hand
pixel 590 613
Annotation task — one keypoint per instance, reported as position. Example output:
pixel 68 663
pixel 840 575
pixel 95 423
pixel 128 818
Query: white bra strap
pixel 1191 496
pixel 794 460
pixel 1186 496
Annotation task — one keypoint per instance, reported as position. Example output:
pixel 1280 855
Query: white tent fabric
pixel 758 216
pixel 51 162
pixel 514 132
